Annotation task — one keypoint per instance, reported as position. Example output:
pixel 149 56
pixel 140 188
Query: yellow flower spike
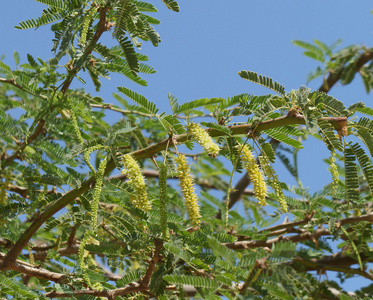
pixel 272 176
pixel 256 176
pixel 187 189
pixel 203 138
pixel 133 172
pixel 335 176
pixel 97 192
pixel 163 200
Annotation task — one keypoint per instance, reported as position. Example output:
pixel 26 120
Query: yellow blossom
pixel 256 176
pixel 273 178
pixel 187 188
pixel 203 138
pixel 163 200
pixel 335 176
pixel 133 172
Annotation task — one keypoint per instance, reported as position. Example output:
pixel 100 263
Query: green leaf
pixel 130 54
pixel 202 282
pixel 351 177
pixel 263 80
pixel 172 4
pixel 173 103
pixel 281 134
pixel 196 103
pixel 139 99
pixel 17 59
pixel 366 110
pixel 329 137
pixel 185 256
pixel 61 4
pixel 364 162
pixel 316 52
pixel 267 150
pixel 130 276
pixel 366 137
pixel 228 254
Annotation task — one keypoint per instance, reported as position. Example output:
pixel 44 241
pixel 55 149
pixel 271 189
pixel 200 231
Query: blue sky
pixel 208 42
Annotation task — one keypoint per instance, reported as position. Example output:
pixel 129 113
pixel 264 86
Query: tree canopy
pixel 131 208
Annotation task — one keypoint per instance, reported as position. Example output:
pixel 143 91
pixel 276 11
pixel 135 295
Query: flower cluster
pixel 202 138
pixel 97 192
pixel 273 179
pixel 133 172
pixel 163 200
pixel 335 176
pixel 187 188
pixel 256 176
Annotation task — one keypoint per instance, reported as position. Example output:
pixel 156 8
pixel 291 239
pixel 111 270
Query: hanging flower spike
pixel 187 188
pixel 335 176
pixel 256 176
pixel 97 192
pixel 133 172
pixel 163 200
pixel 203 138
pixel 272 176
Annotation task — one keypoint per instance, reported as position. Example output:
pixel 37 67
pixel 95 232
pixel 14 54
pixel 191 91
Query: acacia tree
pixel 73 227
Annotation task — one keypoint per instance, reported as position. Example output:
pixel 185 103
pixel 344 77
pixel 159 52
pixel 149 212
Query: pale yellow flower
pixel 273 178
pixel 255 174
pixel 187 189
pixel 335 176
pixel 133 172
pixel 203 138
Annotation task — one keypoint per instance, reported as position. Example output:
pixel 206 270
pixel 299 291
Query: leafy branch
pixel 147 152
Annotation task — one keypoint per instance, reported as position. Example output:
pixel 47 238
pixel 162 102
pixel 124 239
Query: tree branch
pixel 32 271
pixel 15 84
pixel 303 236
pixel 156 256
pixel 333 78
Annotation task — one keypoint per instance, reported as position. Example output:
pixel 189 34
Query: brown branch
pixel 135 112
pixel 15 84
pixel 303 236
pixel 110 294
pixel 32 271
pixel 306 219
pixel 103 26
pixel 336 260
pixel 337 268
pixel 333 78
pixel 156 256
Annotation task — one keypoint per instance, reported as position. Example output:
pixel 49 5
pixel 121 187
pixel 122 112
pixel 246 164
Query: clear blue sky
pixel 208 42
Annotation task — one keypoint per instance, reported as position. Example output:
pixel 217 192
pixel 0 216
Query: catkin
pixel 187 189
pixel 203 138
pixel 133 172
pixel 335 176
pixel 163 200
pixel 273 178
pixel 97 192
pixel 82 266
pixel 256 176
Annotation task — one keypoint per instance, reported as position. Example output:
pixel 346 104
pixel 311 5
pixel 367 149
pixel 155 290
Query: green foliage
pixel 263 80
pixel 71 225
